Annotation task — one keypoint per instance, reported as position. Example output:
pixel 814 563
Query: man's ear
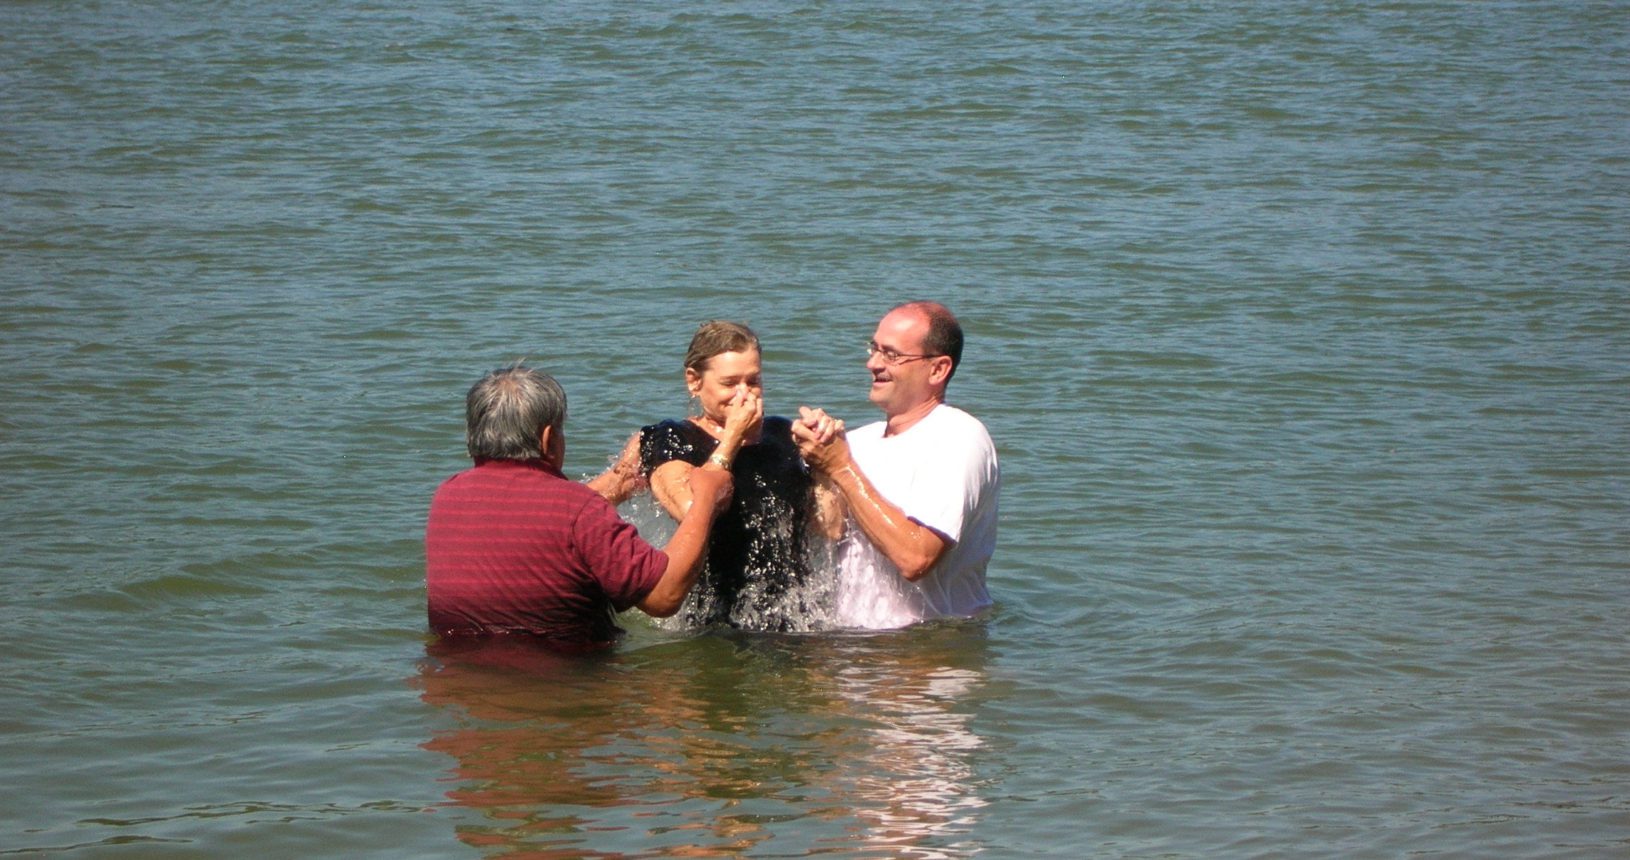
pixel 548 439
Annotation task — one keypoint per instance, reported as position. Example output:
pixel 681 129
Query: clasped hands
pixel 821 440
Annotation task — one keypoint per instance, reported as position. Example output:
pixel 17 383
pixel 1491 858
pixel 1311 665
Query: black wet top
pixel 756 550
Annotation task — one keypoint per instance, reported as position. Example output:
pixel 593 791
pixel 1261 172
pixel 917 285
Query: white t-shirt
pixel 943 473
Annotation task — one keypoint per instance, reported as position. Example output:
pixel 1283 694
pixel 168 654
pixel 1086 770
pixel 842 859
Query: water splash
pixel 775 597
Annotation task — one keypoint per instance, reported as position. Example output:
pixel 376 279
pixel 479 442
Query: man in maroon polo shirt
pixel 513 546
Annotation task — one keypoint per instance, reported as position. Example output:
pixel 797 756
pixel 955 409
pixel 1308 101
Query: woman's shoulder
pixel 674 439
pixel 671 425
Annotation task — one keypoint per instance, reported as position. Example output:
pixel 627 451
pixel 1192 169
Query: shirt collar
pixel 535 463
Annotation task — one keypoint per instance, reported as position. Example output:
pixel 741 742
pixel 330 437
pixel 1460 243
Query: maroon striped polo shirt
pixel 514 547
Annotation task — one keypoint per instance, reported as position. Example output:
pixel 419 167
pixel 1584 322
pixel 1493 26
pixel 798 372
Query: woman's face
pixel 725 375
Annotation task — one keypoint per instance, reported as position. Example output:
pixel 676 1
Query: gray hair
pixel 506 411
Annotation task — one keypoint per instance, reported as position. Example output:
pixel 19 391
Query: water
pixel 1302 331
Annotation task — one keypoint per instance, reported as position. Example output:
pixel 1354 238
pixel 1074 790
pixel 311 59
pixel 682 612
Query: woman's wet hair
pixel 506 411
pixel 716 337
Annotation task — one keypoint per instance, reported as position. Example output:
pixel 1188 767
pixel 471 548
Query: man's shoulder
pixel 950 419
pixel 947 412
pixel 874 428
pixel 867 432
pixel 580 505
pixel 953 432
pixel 475 477
pixel 522 478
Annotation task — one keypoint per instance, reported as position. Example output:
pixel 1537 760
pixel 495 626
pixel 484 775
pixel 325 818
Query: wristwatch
pixel 720 459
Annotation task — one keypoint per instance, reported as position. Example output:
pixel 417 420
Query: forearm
pixel 687 553
pixel 911 546
pixel 614 486
pixel 623 479
pixel 828 513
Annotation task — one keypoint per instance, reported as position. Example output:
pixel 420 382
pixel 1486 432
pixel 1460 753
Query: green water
pixel 1302 331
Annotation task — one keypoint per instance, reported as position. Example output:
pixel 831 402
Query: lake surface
pixel 1303 331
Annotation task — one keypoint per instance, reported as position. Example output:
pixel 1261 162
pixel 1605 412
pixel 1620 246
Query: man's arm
pixel 910 545
pixel 828 514
pixel 687 549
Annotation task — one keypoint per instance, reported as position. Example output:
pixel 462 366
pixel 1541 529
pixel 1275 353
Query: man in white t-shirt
pixel 920 486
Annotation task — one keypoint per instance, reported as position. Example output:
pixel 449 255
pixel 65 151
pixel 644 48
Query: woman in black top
pixel 758 568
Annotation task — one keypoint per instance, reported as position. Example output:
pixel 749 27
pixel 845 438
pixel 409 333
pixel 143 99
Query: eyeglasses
pixel 892 357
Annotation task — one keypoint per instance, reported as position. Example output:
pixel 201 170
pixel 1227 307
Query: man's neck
pixel 897 424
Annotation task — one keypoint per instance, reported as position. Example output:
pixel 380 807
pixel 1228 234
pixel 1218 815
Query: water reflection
pixel 717 744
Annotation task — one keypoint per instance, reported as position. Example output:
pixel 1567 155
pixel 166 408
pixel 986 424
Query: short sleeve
pixel 662 443
pixel 624 565
pixel 939 475
pixel 952 491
